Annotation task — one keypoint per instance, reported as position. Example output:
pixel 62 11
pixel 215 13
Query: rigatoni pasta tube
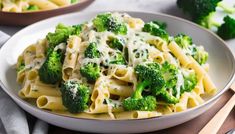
pixel 61 2
pixel 43 4
pixel 50 103
pixel 35 90
pixel 71 56
pixel 136 114
pixel 209 86
pixel 178 52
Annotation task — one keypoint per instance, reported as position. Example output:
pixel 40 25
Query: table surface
pixel 168 7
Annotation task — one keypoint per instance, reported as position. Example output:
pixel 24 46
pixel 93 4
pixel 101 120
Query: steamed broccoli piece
pixel 92 51
pixel 91 71
pixel 155 30
pixel 169 72
pixel 227 29
pixel 106 22
pixel 198 53
pixel 162 25
pixel 118 59
pixel 183 41
pixel 116 43
pixel 51 70
pixel 74 1
pixel 167 97
pixel 136 102
pixel 190 81
pixel 150 75
pixel 32 8
pixel 61 35
pixel 20 67
pixel 75 96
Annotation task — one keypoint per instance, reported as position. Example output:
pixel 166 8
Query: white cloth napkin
pixel 13 119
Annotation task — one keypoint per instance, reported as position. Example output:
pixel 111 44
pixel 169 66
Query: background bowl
pixel 221 60
pixel 26 18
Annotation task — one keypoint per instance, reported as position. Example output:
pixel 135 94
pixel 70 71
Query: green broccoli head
pixel 184 41
pixel 21 66
pixel 118 58
pixel 106 22
pixel 91 71
pixel 199 54
pixel 61 35
pixel 164 95
pixel 143 104
pixel 150 75
pixel 74 1
pixel 169 72
pixel 75 96
pixel 51 70
pixel 116 43
pixel 92 51
pixel 227 29
pixel 190 81
pixel 155 30
pixel 32 8
pixel 162 25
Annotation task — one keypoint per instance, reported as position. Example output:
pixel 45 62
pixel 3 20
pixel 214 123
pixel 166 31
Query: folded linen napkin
pixel 13 119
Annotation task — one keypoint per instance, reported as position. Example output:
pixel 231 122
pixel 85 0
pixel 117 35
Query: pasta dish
pixel 32 5
pixel 114 67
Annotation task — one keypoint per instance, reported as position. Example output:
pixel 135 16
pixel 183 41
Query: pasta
pixel 113 67
pixel 32 5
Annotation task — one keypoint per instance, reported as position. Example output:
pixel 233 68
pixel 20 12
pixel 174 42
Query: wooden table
pixel 190 127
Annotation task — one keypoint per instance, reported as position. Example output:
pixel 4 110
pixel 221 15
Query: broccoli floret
pixel 155 30
pixel 91 71
pixel 169 72
pixel 150 74
pixel 92 51
pixel 162 25
pixel 183 41
pixel 190 81
pixel 198 53
pixel 74 1
pixel 164 95
pixel 139 103
pixel 32 8
pixel 51 70
pixel 20 67
pixel 227 29
pixel 61 35
pixel 106 21
pixel 118 59
pixel 115 43
pixel 75 96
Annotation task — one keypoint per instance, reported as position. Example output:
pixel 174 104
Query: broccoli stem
pixel 226 8
pixel 209 21
pixel 139 89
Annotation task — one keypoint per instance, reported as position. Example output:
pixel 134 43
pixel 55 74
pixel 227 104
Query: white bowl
pixel 221 60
